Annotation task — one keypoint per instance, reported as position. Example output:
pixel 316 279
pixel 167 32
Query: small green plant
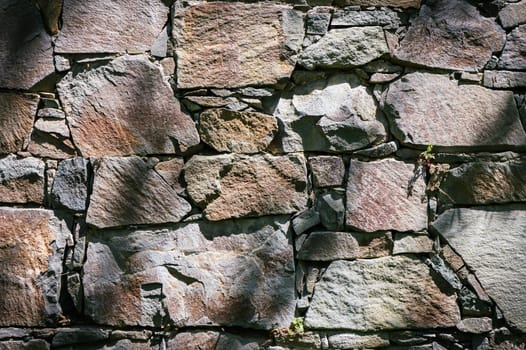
pixel 296 326
pixel 426 157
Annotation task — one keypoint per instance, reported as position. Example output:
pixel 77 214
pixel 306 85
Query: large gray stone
pixel 127 191
pixel 239 132
pixel 430 109
pixel 491 242
pixel 31 251
pixel 70 184
pixel 513 14
pixel 385 195
pixel 345 48
pixel 394 293
pixel 328 246
pixel 512 56
pixel 236 44
pixel 327 171
pixel 21 180
pixel 451 34
pixel 26 54
pixel 229 273
pixel 485 183
pixel 125 108
pixel 500 79
pixel 16 117
pixel 336 114
pixel 33 344
pixel 110 26
pixel 354 18
pixel 231 185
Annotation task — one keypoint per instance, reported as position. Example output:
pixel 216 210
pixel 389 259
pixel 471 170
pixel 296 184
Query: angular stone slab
pixel 430 109
pixel 327 170
pixel 126 191
pixel 232 186
pixel 512 56
pixel 500 79
pixel 358 341
pixel 31 251
pixel 491 241
pixel 230 273
pixel 21 180
pixel 394 293
pixel 390 3
pixel 70 184
pixel 328 246
pixel 354 18
pixel 485 183
pixel 110 26
pixel 236 44
pixel 344 48
pixel 212 340
pixel 451 34
pixel 385 195
pixel 125 108
pixel 335 114
pixel 16 117
pixel 26 54
pixel 238 132
pixel 513 14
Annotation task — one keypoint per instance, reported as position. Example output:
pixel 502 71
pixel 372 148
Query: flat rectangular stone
pixel 17 113
pixel 390 3
pixel 499 79
pixel 513 14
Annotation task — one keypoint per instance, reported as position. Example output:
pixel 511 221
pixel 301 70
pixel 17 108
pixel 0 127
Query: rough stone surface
pixel 305 221
pixel 171 171
pixel 330 204
pixel 70 185
pixel 110 26
pixel 513 57
pixel 336 114
pixel 485 183
pixel 236 44
pixel 16 117
pixel 328 246
pixel 21 180
pixel 410 244
pixel 451 34
pixel 385 195
pixel 125 108
pixel 475 325
pixel 504 79
pixel 230 186
pixel 428 109
pixel 26 54
pixel 327 170
pixel 318 23
pixel 513 14
pixel 31 251
pixel 238 132
pixel 344 48
pixel 395 292
pixel 351 18
pixel 78 335
pixel 358 341
pixel 230 273
pixel 55 127
pixel 476 234
pixel 390 3
pixel 50 146
pixel 127 191
pixel 34 344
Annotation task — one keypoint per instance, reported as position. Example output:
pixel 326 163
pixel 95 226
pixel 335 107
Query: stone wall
pixel 198 175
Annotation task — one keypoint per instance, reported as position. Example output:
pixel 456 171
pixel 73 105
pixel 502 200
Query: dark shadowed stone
pixel 504 79
pixel 21 180
pixel 70 185
pixel 390 3
pixel 485 183
pixel 26 54
pixel 231 186
pixel 305 221
pixel 430 109
pixel 513 57
pixel 385 195
pixel 330 204
pixel 78 335
pixel 236 44
pixel 229 273
pixel 489 239
pixel 50 10
pixel 344 48
pixel 327 170
pixel 328 246
pixel 387 298
pixel 451 34
pixel 335 114
pixel 128 191
pixel 16 117
pixel 125 108
pixel 513 14
pixel 110 26
pixel 238 132
pixel 31 251
pixel 34 344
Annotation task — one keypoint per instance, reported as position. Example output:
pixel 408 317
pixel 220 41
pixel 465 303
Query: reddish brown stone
pixel 236 44
pixel 16 118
